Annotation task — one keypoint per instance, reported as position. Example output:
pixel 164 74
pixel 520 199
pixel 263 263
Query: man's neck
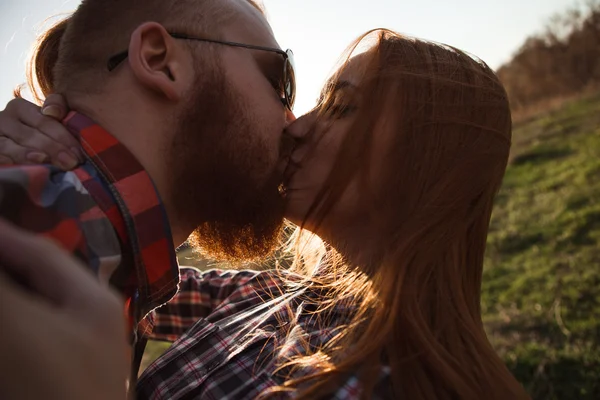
pixel 142 136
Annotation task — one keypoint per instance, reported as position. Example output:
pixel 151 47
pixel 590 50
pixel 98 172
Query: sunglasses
pixel 289 71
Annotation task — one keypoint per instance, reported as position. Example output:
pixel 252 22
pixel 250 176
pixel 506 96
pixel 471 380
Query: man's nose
pixel 289 117
pixel 301 127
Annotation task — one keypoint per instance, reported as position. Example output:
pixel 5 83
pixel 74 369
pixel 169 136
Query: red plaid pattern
pixel 106 212
pixel 156 272
pixel 232 330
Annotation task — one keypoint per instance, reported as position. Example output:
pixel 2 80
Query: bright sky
pixel 318 31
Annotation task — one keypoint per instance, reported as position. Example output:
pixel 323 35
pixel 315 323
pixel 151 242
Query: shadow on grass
pixel 541 155
pixel 518 242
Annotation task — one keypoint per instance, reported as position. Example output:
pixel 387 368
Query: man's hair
pixel 73 54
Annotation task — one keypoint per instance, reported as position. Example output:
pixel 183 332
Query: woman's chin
pixel 294 213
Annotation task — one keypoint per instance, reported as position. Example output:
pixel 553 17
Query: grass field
pixel 541 290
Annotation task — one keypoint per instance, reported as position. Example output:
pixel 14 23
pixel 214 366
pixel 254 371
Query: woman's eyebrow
pixel 339 85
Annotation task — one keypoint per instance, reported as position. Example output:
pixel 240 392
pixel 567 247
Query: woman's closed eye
pixel 338 106
pixel 340 110
pixel 340 102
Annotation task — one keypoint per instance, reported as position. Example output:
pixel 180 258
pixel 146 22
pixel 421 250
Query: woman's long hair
pixel 417 308
pixel 40 67
pixel 417 305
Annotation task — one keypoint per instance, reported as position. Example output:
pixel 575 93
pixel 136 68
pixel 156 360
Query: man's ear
pixel 157 62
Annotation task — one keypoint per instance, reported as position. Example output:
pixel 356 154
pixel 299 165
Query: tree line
pixel 561 61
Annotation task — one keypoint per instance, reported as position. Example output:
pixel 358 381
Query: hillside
pixel 541 289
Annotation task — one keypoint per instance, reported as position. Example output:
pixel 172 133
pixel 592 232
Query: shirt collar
pixel 148 228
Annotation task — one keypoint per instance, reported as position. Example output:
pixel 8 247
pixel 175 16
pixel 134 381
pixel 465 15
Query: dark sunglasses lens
pixel 290 80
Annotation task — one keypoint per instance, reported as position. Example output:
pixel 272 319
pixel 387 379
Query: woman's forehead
pixel 354 69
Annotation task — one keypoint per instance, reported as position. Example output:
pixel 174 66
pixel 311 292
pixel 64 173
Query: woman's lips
pixel 293 166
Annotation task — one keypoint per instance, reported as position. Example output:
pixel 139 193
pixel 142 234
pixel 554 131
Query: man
pixel 181 122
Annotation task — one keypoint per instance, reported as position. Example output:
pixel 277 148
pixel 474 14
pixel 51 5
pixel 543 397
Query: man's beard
pixel 224 180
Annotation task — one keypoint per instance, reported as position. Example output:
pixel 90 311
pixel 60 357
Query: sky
pixel 318 31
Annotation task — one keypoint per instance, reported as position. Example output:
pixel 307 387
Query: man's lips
pixel 287 146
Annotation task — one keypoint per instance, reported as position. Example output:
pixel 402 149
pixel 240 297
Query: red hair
pixel 418 304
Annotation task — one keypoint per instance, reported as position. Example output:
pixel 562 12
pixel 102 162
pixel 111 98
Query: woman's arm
pixel 62 334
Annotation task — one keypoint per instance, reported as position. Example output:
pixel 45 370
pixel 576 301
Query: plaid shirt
pixel 232 330
pixel 106 212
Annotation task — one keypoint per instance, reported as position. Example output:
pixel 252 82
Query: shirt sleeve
pixel 55 204
pixel 33 198
pixel 200 294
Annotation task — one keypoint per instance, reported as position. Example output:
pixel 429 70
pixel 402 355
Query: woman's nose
pixel 299 128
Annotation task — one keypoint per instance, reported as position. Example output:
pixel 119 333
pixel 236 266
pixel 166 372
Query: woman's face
pixel 324 130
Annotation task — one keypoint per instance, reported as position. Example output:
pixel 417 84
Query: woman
pixel 405 153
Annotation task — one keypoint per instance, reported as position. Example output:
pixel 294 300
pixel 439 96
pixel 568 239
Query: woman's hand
pixel 33 135
pixel 62 334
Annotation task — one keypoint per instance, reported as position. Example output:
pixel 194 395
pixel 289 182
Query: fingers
pixel 26 145
pixel 23 123
pixel 55 106
pixel 30 115
pixel 50 272
pixel 13 153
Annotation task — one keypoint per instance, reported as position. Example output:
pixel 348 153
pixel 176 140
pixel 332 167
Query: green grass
pixel 541 288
